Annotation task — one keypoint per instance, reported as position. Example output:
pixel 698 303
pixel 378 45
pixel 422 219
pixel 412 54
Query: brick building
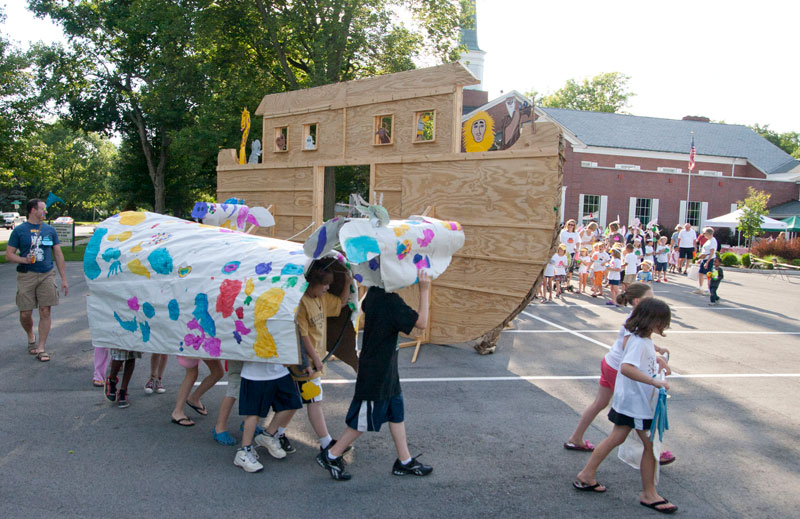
pixel 628 166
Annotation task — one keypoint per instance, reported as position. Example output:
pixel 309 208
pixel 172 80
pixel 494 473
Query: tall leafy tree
pixel 787 141
pixel 607 92
pixel 753 208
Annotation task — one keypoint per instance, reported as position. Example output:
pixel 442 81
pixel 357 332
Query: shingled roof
pixel 670 135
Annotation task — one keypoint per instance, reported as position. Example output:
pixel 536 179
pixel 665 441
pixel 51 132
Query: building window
pixel 383 129
pixel 310 136
pixel 281 139
pixel 425 126
pixel 693 213
pixel 669 170
pixel 591 208
pixel 588 164
pixel 626 166
pixel 643 210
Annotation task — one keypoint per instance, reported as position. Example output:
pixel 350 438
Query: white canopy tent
pixel 732 220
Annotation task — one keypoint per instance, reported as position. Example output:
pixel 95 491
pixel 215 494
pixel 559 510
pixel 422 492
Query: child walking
pixel 378 397
pixel 585 261
pixel 673 259
pixel 560 261
pixel 549 272
pixel 715 277
pixel 662 256
pixel 315 307
pixel 118 358
pixel 631 264
pixel 614 268
pixel 632 407
pixel 599 260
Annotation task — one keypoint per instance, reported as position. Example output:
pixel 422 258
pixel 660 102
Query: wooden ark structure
pixel 407 128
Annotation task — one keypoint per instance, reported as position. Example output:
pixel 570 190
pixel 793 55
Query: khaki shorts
pixel 234 378
pixel 36 290
pixel 629 278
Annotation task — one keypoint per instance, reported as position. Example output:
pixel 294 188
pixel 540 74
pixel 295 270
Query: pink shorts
pixel 608 375
pixel 193 362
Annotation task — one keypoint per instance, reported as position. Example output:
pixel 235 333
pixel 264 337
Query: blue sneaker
pixel 223 438
pixel 259 429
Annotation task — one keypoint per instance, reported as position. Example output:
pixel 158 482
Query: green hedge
pixel 729 259
pixel 746 259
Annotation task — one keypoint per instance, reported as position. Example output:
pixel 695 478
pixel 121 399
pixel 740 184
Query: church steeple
pixel 473 57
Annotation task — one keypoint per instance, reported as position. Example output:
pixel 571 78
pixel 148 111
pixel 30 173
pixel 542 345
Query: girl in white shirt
pixel 614 268
pixel 633 396
pixel 585 261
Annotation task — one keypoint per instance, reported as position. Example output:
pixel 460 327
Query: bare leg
pixel 127 373
pixel 346 440
pixel 250 423
pixel 648 470
pixel 183 393
pixel 317 419
pixel 601 401
pixel 216 373
pixel 158 362
pixel 280 419
pixel 398 431
pixel 224 413
pixel 44 327
pixel 587 476
pixel 26 320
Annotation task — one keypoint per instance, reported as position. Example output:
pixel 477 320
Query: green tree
pixel 71 163
pixel 754 207
pixel 787 141
pixel 607 92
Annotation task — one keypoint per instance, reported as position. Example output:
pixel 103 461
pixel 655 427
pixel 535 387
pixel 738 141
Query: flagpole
pixel 689 183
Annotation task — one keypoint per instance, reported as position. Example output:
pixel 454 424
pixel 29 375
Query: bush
pixel 729 259
pixel 746 260
pixel 789 249
pixel 796 262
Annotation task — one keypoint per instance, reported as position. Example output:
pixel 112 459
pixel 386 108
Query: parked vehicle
pixel 11 220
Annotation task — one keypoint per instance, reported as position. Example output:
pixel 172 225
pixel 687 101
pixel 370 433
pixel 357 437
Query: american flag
pixel 692 154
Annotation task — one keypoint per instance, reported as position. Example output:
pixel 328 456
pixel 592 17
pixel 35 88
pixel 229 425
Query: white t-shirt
pixel 263 371
pixel 648 253
pixel 708 246
pixel 560 263
pixel 586 262
pixel 686 238
pixel 662 253
pixel 570 239
pixel 614 355
pixel 599 260
pixel 617 264
pixel 549 270
pixel 632 398
pixel 587 237
pixel 631 263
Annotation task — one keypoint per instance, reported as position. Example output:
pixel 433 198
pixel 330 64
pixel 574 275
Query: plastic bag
pixel 694 271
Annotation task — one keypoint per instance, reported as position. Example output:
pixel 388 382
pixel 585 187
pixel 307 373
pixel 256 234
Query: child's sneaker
pixel 122 399
pixel 248 460
pixel 159 388
pixel 332 443
pixel 334 467
pixel 149 387
pixel 272 444
pixel 413 467
pixel 286 445
pixel 111 389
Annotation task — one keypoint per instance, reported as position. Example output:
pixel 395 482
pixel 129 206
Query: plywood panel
pixel 489 275
pixel 461 315
pixel 388 177
pixel 528 244
pixel 393 203
pixel 330 142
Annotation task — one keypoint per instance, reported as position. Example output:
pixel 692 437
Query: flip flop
pixel 200 409
pixel 183 422
pixel 659 503
pixel 32 347
pixel 585 487
pixel 98 383
pixel 43 356
pixel 586 447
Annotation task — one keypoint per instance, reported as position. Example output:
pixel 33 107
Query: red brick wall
pixel 670 189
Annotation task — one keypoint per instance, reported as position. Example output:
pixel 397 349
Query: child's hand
pixel 663 365
pixel 661 383
pixel 317 365
pixel 424 280
pixel 662 351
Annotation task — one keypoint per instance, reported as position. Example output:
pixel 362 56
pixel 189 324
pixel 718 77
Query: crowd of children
pixel 618 257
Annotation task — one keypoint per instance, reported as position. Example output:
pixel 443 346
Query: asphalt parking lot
pixel 492 427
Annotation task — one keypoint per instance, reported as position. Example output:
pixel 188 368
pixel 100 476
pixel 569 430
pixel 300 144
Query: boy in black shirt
pixel 378 398
pixel 715 277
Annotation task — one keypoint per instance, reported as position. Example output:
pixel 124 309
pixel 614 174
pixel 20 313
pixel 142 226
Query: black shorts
pixel 614 282
pixel 706 266
pixel 365 415
pixel 661 267
pixel 257 396
pixel 686 252
pixel 639 424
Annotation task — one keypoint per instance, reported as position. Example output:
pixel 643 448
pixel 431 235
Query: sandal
pixel 183 422
pixel 586 447
pixel 655 506
pixel 32 347
pixel 43 356
pixel 585 487
pixel 200 409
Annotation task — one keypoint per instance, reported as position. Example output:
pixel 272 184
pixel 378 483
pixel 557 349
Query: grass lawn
pixel 69 255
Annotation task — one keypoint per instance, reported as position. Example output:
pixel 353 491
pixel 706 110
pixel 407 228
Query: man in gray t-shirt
pixel 33 246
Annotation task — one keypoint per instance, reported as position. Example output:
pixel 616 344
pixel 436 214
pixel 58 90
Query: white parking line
pixel 722 332
pixel 346 381
pixel 572 332
pixel 712 308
